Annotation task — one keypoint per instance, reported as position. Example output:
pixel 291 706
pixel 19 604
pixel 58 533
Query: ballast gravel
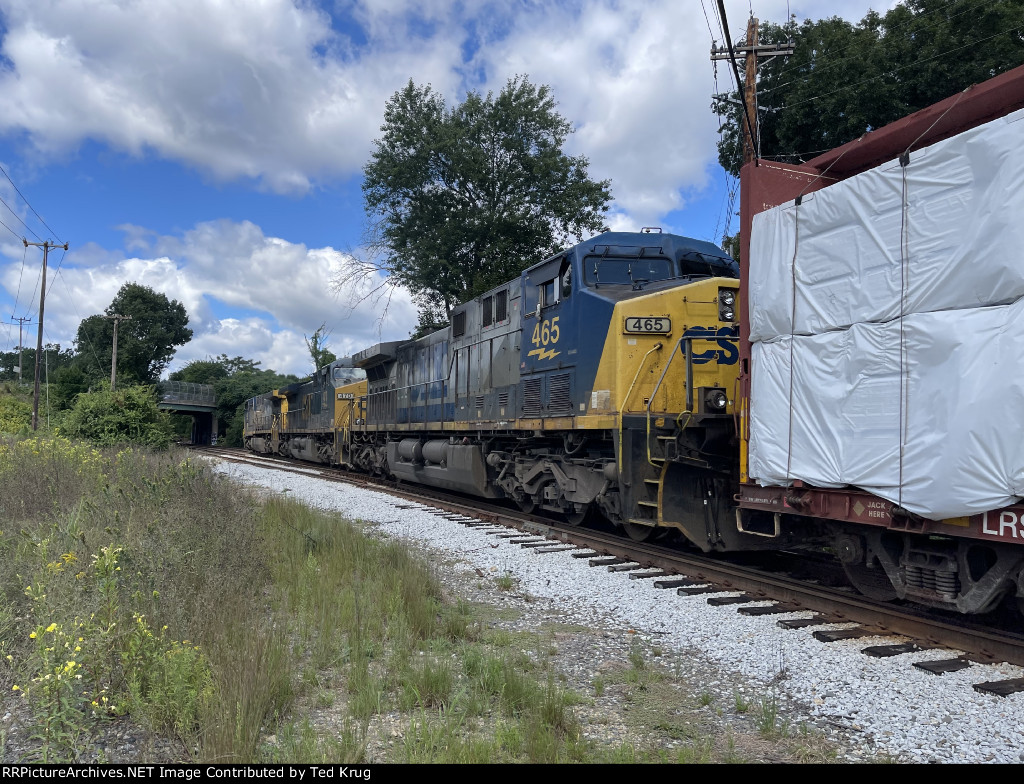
pixel 884 706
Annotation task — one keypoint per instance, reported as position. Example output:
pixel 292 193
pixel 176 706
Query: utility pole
pixel 39 339
pixel 21 323
pixel 750 145
pixel 113 359
pixel 750 52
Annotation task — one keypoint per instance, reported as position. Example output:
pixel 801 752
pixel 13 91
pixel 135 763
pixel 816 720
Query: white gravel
pixel 890 706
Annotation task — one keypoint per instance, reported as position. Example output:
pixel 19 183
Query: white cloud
pixel 286 94
pixel 246 294
pixel 237 89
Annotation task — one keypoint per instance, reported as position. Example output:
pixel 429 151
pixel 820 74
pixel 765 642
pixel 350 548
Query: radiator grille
pixel 559 400
pixel 531 397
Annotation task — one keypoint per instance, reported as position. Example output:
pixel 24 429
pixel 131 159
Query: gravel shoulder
pixel 868 709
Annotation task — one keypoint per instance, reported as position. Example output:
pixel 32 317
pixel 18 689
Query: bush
pixel 127 416
pixel 15 414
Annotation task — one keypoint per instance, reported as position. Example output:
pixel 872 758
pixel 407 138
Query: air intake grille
pixel 558 399
pixel 531 397
pixel 502 399
pixel 480 401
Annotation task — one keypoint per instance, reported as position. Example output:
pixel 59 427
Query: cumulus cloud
pixel 288 93
pixel 246 294
pixel 266 91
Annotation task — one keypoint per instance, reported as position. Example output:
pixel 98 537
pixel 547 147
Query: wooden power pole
pixel 750 145
pixel 113 359
pixel 750 51
pixel 39 338
pixel 21 324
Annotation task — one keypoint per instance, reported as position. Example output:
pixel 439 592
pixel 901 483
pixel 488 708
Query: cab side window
pixel 565 278
pixel 548 294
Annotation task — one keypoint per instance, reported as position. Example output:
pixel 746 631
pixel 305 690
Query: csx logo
pixel 727 352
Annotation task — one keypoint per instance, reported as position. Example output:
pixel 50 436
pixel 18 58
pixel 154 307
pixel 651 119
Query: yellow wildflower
pixel 51 628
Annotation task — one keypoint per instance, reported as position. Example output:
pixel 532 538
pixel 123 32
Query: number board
pixel 648 325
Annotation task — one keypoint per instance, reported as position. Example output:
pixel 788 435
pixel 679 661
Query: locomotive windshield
pixel 609 269
pixel 347 375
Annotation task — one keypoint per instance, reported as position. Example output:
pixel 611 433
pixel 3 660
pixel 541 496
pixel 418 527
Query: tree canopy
pixel 845 79
pixel 461 199
pixel 145 344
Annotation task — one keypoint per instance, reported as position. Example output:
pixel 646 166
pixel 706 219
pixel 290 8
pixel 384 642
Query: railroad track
pixel 726 583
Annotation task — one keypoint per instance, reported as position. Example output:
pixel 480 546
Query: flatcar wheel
pixel 639 533
pixel 873 583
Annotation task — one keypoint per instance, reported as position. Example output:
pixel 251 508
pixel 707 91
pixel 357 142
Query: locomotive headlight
pixel 726 304
pixel 715 400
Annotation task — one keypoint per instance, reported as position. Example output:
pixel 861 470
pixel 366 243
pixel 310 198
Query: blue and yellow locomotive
pixel 602 379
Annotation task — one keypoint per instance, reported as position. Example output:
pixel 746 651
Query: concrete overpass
pixel 195 400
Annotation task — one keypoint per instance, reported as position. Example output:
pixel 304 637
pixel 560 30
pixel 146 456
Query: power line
pixel 20 276
pixel 735 68
pixel 22 222
pixel 55 234
pixel 92 349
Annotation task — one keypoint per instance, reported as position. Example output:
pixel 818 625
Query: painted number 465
pixel 546 332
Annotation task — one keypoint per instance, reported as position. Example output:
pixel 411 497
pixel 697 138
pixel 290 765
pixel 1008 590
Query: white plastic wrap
pixel 962 413
pixel 962 233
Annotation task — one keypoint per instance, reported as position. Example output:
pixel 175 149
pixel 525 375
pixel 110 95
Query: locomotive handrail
pixel 688 353
pixel 625 400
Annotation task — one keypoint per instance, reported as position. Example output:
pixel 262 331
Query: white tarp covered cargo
pixel 835 404
pixel 962 231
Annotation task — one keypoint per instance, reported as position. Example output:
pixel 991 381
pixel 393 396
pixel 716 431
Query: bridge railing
pixel 186 392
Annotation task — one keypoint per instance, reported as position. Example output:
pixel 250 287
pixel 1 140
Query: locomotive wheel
pixel 873 583
pixel 639 533
pixel 577 516
pixel 526 504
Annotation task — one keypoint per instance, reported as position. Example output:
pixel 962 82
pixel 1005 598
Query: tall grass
pixel 140 584
pixel 134 585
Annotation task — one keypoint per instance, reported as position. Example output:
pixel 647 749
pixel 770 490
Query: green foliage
pixel 145 344
pixel 127 416
pixel 317 346
pixel 461 199
pixel 54 359
pixel 134 582
pixel 846 79
pixel 15 414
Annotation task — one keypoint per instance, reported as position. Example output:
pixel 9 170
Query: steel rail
pixel 979 644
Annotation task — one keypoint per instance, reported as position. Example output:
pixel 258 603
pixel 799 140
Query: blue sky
pixel 212 149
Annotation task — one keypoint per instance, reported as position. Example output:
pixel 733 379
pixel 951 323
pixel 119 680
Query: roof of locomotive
pixel 674 246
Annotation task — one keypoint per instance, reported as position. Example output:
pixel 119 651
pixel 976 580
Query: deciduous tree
pixel 845 79
pixel 461 199
pixel 145 344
